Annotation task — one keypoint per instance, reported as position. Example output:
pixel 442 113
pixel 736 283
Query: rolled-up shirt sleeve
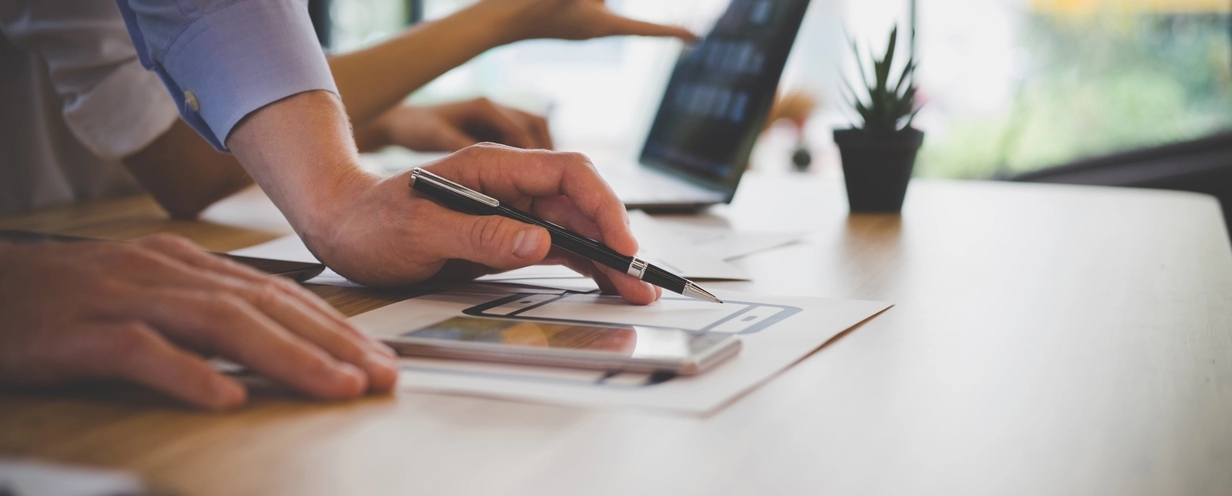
pixel 224 59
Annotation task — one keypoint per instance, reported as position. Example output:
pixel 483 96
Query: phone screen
pixel 630 341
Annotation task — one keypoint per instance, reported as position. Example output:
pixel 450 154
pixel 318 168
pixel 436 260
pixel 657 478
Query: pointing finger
pixel 626 26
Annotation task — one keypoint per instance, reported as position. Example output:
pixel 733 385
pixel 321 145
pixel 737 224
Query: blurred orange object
pixel 795 106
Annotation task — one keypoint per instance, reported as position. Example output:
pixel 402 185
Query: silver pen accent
pixel 637 268
pixel 695 291
pixel 423 175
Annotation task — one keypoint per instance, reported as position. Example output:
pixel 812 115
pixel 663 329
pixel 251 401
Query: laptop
pixel 713 110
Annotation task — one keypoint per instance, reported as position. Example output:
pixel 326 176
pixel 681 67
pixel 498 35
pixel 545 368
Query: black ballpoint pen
pixel 458 197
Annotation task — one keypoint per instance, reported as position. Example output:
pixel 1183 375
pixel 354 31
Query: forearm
pixel 375 79
pixel 300 151
pixel 184 173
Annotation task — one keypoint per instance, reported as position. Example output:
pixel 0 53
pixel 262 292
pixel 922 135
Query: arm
pixel 371 94
pixel 260 88
pixel 424 52
pixel 374 231
pixel 184 173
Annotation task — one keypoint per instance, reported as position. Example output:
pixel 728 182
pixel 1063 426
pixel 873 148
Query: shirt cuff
pixel 235 60
pixel 122 114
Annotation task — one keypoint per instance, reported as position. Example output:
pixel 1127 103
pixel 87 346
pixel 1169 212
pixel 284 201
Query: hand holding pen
pixel 463 199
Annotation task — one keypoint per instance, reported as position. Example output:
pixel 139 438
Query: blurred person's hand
pixel 152 310
pixel 453 126
pixel 573 20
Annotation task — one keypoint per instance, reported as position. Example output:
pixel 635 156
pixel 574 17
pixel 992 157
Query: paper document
pixel 32 478
pixel 658 245
pixel 776 331
pixel 720 242
pixel 692 251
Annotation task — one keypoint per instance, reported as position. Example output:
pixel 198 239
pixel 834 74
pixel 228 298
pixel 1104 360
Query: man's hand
pixel 454 126
pixel 375 231
pixel 150 311
pixel 573 20
pixel 386 235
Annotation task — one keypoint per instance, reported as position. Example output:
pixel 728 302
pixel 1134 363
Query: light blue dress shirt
pixel 223 59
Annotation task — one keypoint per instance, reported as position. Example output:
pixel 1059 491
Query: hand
pixel 149 311
pixel 573 20
pixel 386 235
pixel 454 126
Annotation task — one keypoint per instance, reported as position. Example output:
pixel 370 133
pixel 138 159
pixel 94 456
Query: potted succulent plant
pixel 878 154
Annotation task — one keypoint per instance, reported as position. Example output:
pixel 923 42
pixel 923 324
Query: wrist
pixel 332 206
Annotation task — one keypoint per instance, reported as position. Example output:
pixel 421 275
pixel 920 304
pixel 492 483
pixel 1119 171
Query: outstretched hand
pixel 576 20
pixel 386 235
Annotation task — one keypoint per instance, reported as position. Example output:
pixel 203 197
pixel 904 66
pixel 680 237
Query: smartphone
pixel 622 348
pixel 299 271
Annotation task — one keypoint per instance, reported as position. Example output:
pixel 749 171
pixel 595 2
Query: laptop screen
pixel 720 92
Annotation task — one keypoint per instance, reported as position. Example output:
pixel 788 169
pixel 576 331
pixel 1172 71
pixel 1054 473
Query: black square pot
pixel 877 168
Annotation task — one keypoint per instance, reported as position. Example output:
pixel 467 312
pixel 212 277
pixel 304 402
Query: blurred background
pixel 1010 86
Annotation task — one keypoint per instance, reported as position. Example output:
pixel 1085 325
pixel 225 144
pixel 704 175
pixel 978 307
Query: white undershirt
pixel 74 100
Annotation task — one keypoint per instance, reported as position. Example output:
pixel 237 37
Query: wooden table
pixel 1045 340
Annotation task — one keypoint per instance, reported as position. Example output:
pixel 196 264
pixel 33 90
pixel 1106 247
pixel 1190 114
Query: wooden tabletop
pixel 1045 340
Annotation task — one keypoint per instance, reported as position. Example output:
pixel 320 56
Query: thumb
pixel 494 241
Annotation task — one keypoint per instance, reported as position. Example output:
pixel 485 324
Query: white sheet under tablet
pixel 776 331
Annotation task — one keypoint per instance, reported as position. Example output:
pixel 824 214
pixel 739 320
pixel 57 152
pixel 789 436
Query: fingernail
pixel 382 371
pixel 350 375
pixel 228 394
pixel 525 243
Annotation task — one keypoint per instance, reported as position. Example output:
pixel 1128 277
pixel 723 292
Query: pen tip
pixel 696 291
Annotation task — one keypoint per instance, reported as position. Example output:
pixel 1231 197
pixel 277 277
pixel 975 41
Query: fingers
pixel 539 127
pixel 611 281
pixel 135 352
pixel 452 139
pixel 188 253
pixel 626 26
pixel 378 364
pixel 511 126
pixel 489 240
pixel 228 325
pixel 535 127
pixel 291 306
pixel 527 176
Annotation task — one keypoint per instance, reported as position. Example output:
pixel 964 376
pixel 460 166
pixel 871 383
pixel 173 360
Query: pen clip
pixel 419 174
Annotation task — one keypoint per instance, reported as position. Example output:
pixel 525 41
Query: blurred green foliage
pixel 1096 84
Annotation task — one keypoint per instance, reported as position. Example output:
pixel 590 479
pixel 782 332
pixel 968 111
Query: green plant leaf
pixel 889 55
pixel 859 62
pixel 906 73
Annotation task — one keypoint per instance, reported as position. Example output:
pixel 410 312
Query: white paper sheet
pixel 776 332
pixel 659 246
pixel 34 478
pixel 693 251
pixel 719 242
